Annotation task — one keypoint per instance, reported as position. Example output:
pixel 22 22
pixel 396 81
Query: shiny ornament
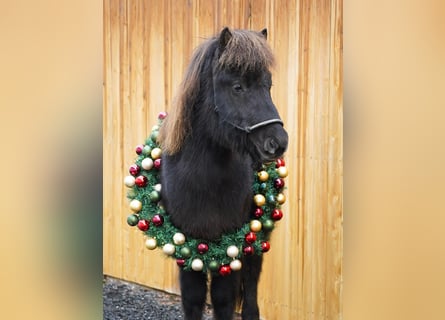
pixel 263 186
pixel 141 181
pixel 134 169
pixel 250 237
pixel 157 187
pixel 203 248
pixel 278 183
pixel 280 163
pixel 154 196
pixel 143 225
pixel 147 163
pixel 132 220
pixel 225 270
pixel 197 264
pixel 151 243
pixel 271 199
pixel 162 115
pixel 281 198
pixel 282 172
pixel 277 214
pixel 259 200
pixel 157 163
pixel 255 225
pixel 185 252
pixel 157 220
pixel 169 249
pixel 156 153
pixel 135 205
pixel 268 225
pixel 236 265
pixel 129 181
pixel 154 135
pixel 139 149
pixel 179 238
pixel 265 246
pixel 146 150
pixel 213 265
pixel 232 251
pixel 180 262
pixel 249 250
pixel 258 212
pixel 263 176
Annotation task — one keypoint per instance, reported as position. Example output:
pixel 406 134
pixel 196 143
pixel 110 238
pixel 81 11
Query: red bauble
pixel 203 248
pixel 139 148
pixel 157 163
pixel 258 212
pixel 141 181
pixel 250 237
pixel 225 270
pixel 278 183
pixel 277 214
pixel 157 220
pixel 265 246
pixel 248 251
pixel 280 163
pixel 162 115
pixel 143 225
pixel 134 170
pixel 180 262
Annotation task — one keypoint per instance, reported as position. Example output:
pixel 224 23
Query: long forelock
pixel 246 51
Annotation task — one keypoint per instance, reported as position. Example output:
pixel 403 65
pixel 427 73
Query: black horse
pixel 222 125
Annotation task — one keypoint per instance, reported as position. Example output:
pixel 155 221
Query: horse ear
pixel 224 39
pixel 264 33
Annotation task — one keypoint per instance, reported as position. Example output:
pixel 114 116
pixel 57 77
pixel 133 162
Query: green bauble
pixel 185 252
pixel 146 150
pixel 132 220
pixel 154 135
pixel 154 196
pixel 213 265
pixel 268 225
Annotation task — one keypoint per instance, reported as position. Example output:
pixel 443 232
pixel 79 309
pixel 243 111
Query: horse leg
pixel 224 291
pixel 193 293
pixel 250 275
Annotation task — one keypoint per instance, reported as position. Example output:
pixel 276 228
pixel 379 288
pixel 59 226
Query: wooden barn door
pixel 147 45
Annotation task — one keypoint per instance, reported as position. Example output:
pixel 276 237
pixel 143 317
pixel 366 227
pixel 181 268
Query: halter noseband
pixel 248 128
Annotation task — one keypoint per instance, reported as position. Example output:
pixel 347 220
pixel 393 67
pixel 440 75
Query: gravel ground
pixel 124 301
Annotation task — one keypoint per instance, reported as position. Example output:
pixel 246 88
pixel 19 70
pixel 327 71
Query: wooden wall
pixel 147 45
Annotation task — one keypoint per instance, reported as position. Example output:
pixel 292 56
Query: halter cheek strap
pixel 248 128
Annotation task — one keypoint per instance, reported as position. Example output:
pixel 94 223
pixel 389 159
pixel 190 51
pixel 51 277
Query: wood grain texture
pixel 147 46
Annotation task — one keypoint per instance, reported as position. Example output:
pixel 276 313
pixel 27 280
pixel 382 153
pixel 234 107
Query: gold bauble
pixel 263 176
pixel 281 198
pixel 255 225
pixel 259 200
pixel 135 205
pixel 282 172
pixel 156 153
pixel 151 243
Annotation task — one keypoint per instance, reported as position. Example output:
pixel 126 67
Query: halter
pixel 248 128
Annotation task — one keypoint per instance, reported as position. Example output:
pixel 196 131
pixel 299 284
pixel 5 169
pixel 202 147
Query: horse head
pixel 241 83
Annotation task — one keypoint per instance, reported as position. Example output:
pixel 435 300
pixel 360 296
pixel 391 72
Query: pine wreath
pixel 222 255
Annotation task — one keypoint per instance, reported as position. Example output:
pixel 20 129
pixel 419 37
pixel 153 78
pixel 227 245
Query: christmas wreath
pixel 222 255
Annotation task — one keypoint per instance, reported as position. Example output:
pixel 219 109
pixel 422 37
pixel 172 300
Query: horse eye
pixel 237 87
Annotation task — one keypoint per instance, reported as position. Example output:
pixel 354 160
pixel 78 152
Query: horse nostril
pixel 270 145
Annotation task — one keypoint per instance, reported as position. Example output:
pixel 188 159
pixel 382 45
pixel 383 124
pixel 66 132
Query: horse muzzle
pixel 270 142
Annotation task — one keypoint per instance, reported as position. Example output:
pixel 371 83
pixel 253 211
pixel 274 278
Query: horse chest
pixel 208 199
